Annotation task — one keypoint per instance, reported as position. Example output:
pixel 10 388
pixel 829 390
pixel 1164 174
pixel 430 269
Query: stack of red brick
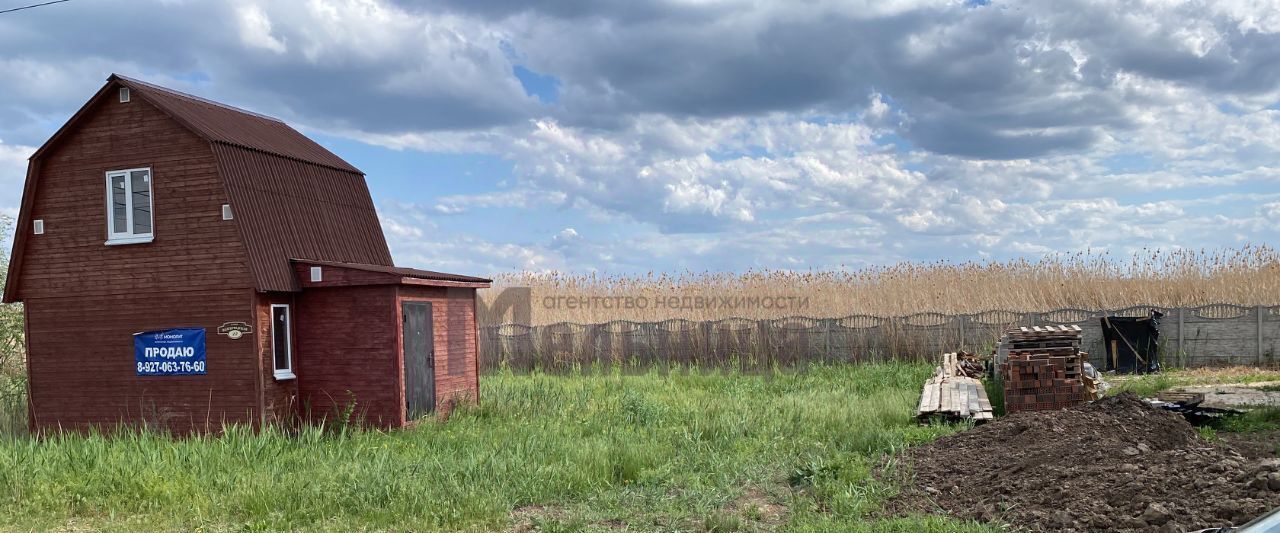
pixel 1043 369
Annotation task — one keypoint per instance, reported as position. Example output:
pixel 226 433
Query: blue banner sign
pixel 172 352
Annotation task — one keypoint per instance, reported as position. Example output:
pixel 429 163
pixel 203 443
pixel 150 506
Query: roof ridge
pixel 188 96
pixel 242 146
pixel 226 125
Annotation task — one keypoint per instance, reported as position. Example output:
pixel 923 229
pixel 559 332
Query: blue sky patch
pixel 543 87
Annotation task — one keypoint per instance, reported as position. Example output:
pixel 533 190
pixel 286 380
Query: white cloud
pixel 13 172
pixel 690 174
pixel 396 229
pixel 255 29
pixel 735 133
pixel 1271 212
pixel 519 198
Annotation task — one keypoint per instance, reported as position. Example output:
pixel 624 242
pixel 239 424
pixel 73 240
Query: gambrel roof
pixel 291 197
pixel 224 124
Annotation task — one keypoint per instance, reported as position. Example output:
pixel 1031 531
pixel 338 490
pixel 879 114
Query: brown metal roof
pixel 220 123
pixel 398 271
pixel 290 197
pixel 287 208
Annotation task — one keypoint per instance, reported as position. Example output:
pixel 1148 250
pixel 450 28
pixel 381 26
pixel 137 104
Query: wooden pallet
pixel 1040 332
pixel 1190 399
pixel 1043 337
pixel 952 396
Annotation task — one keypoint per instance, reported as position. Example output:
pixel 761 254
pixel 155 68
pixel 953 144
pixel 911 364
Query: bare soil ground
pixel 530 517
pixel 1114 464
pixel 756 506
pixel 1256 445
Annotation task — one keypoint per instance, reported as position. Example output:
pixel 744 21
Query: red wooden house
pixel 186 264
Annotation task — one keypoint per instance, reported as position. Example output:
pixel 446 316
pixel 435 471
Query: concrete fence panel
pixel 1217 334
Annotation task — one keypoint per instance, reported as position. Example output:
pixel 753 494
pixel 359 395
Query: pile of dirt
pixel 1115 464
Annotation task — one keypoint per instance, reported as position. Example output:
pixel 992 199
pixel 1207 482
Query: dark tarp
pixel 1132 343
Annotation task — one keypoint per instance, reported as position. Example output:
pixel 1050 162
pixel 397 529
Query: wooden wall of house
pixel 347 352
pixel 84 300
pixel 82 371
pixel 454 328
pixel 340 277
pixel 279 396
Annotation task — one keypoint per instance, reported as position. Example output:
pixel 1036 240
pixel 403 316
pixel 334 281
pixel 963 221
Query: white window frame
pixel 129 237
pixel 287 372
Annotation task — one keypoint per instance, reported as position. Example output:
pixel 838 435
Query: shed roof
pixel 359 274
pixel 398 271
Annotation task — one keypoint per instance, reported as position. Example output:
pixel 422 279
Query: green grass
pixel 13 404
pixel 1253 421
pixel 1258 425
pixel 995 395
pixel 1148 385
pixel 558 453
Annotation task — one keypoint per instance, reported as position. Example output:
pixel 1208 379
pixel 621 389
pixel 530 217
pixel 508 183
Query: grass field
pixel 1149 384
pixel 696 452
pixel 693 452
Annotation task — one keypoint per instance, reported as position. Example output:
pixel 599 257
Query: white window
pixel 281 342
pixel 129 217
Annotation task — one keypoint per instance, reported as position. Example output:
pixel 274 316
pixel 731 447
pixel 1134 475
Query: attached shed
pixel 414 324
pixel 186 264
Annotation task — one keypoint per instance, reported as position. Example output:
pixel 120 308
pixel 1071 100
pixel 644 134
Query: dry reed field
pixel 1249 275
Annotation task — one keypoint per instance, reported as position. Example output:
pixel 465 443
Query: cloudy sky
pixel 631 136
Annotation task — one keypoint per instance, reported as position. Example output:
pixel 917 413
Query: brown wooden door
pixel 419 360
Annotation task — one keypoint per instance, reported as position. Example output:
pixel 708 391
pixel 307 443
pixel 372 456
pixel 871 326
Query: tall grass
pixel 648 451
pixel 13 405
pixel 13 371
pixel 1249 275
